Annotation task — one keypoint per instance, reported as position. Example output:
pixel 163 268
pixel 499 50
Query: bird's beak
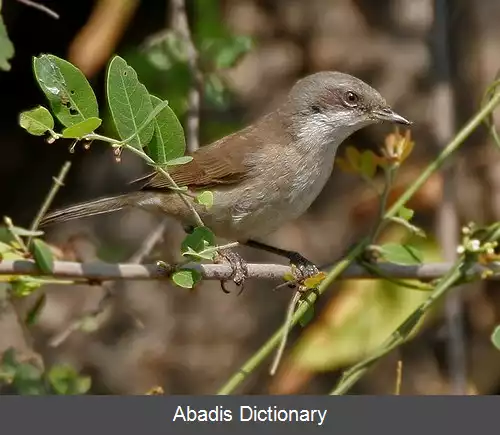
pixel 387 114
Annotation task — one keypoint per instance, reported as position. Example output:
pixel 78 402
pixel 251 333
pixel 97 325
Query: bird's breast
pixel 281 189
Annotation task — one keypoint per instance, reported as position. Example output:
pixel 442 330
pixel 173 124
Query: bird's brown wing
pixel 219 163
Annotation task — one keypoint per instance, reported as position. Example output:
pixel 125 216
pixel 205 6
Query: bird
pixel 263 175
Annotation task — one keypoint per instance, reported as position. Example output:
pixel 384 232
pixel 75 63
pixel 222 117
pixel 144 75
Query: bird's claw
pixel 239 268
pixel 302 268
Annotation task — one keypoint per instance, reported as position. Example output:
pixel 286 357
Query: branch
pixel 100 271
pixel 40 7
pixel 58 182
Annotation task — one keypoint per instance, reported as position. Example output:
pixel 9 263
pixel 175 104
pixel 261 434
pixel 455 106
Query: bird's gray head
pixel 327 107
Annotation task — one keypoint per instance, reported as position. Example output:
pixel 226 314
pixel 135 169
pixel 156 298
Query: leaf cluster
pixel 26 378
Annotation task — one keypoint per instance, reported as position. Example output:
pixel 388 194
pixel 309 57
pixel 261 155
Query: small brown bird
pixel 265 174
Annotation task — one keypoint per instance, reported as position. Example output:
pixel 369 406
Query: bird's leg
pixel 303 267
pixel 238 265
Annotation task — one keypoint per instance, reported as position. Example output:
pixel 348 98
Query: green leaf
pixel 314 281
pixel 24 286
pixel 186 278
pixel 42 255
pixel 308 315
pixel 129 103
pixel 205 198
pixel 36 121
pixel 5 235
pixel 199 239
pixel 367 164
pixel 401 254
pixel 34 313
pixel 215 91
pixel 28 380
pixel 65 380
pixel 405 213
pixel 79 130
pixel 168 141
pixel 4 247
pixel 495 337
pixel 230 50
pixel 6 47
pixel 207 254
pixel 9 364
pixel 70 95
pixel 179 161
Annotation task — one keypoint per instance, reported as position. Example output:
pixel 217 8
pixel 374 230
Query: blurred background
pixel 432 60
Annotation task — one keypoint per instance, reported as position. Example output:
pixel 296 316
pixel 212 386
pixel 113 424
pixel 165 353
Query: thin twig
pixel 56 185
pixel 149 243
pixel 288 326
pixel 186 201
pixel 40 7
pixel 399 378
pixel 181 26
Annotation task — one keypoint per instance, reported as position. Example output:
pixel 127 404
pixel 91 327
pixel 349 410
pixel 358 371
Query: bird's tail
pixel 89 208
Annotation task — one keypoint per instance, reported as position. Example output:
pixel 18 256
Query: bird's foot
pixel 302 269
pixel 238 265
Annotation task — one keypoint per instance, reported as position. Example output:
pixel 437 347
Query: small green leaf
pixel 495 337
pixel 129 103
pixel 405 213
pixel 367 164
pixel 314 281
pixel 4 247
pixel 36 121
pixel 230 50
pixel 199 239
pixel 28 380
pixel 168 141
pixel 401 254
pixel 42 255
pixel 179 161
pixel 288 277
pixel 34 313
pixel 207 254
pixel 186 278
pixel 6 47
pixel 9 364
pixel 65 380
pixel 215 91
pixel 24 286
pixel 308 315
pixel 79 130
pixel 5 235
pixel 70 95
pixel 205 198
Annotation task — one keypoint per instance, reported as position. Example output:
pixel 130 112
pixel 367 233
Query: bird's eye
pixel 315 109
pixel 351 98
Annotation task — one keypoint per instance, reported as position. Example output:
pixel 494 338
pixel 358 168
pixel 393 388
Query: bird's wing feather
pixel 219 163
